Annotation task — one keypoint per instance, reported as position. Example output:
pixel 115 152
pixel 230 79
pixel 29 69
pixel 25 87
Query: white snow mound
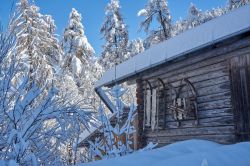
pixel 185 153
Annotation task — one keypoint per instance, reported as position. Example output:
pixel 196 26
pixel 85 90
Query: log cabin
pixel 195 85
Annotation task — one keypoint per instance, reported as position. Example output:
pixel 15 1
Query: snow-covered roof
pixel 218 29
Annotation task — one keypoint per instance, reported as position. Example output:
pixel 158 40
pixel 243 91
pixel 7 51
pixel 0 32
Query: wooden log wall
pixel 209 71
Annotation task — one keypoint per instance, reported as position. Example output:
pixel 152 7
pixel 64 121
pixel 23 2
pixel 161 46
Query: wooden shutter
pixel 240 86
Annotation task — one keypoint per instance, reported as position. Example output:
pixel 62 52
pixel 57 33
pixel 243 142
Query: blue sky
pixel 93 14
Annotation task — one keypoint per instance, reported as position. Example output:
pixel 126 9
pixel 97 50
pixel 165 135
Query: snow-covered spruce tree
pixel 115 34
pixel 193 19
pixel 91 75
pixel 78 59
pixel 116 139
pixel 135 47
pixel 232 4
pixel 75 44
pixel 69 92
pixel 35 120
pixel 55 52
pixel 213 13
pixel 35 56
pixel 179 27
pixel 36 46
pixel 194 15
pixel 79 72
pixel 6 44
pixel 156 9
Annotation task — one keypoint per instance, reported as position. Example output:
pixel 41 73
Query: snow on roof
pixel 218 29
pixel 185 153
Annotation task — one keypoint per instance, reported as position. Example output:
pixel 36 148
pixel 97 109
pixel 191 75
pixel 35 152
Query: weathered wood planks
pixel 210 73
pixel 240 81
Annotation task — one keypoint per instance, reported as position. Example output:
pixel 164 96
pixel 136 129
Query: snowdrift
pixel 185 153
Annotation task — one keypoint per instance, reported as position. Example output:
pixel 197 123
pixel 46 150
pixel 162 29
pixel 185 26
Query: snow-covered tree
pixel 78 73
pixel 115 34
pixel 232 4
pixel 55 52
pixel 157 9
pixel 211 14
pixel 195 18
pixel 194 15
pixel 78 50
pixel 41 110
pixel 91 75
pixel 78 60
pixel 36 121
pixel 6 44
pixel 135 47
pixel 179 27
pixel 36 46
pixel 117 130
pixel 117 139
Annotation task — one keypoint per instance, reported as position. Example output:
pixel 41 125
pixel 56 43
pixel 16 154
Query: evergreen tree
pixel 179 27
pixel 115 34
pixel 195 18
pixel 78 60
pixel 135 47
pixel 37 48
pixel 55 52
pixel 194 15
pixel 232 4
pixel 211 14
pixel 36 121
pixel 78 50
pixel 156 9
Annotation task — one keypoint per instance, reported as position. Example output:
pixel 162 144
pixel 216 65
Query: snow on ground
pixel 185 153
